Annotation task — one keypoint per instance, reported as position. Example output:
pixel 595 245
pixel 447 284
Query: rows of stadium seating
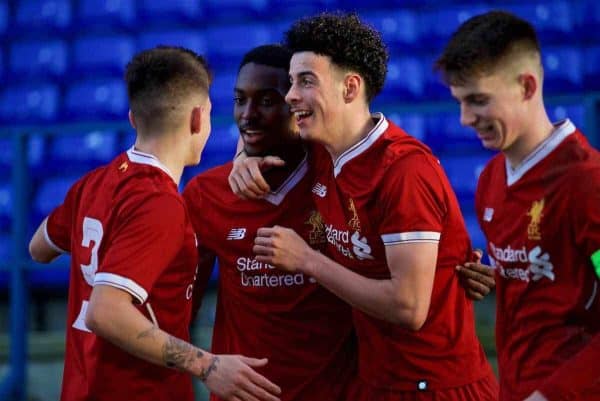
pixel 62 60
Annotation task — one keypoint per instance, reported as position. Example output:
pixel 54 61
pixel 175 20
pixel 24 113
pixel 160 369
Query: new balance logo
pixel 236 233
pixel 319 190
pixel 488 214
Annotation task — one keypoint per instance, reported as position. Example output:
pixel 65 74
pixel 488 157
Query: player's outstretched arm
pixel 246 179
pixel 476 278
pixel 39 248
pixel 403 299
pixel 112 315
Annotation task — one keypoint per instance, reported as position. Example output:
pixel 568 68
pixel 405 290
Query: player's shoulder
pixel 211 181
pixel 403 151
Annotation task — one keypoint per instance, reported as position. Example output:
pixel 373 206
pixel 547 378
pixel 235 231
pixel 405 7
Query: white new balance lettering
pixel 319 190
pixel 236 233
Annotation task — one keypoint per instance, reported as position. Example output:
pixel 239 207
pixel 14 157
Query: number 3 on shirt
pixel 92 231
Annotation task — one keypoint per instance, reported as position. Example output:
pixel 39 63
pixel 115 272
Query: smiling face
pixel 316 95
pixel 493 105
pixel 262 116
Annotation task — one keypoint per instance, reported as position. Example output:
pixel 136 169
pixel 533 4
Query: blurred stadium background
pixel 63 111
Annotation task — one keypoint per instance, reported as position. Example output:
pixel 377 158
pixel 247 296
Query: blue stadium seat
pixel 399 29
pixel 50 193
pixel 235 10
pixel 110 54
pixel 590 21
pixel 446 134
pixel 48 57
pixel 296 8
pixel 102 13
pixel 47 15
pixel 186 11
pixel 574 112
pixel 404 81
pixel 563 66
pixel 591 67
pixel 36 146
pixel 437 25
pixel 4 17
pixel 435 89
pixel 2 68
pixel 232 42
pixel 553 20
pixel 29 103
pixel 97 98
pixel 463 173
pixel 6 205
pixel 412 123
pixel 84 151
pixel 189 39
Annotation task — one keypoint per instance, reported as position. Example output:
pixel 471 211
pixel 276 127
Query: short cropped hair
pixel 350 43
pixel 482 43
pixel 159 79
pixel 273 55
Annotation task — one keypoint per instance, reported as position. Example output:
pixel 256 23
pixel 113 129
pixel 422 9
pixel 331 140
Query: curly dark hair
pixel 157 79
pixel 482 42
pixel 350 43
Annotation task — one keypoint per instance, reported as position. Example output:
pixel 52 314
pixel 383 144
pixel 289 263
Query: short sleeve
pixel 413 200
pixel 148 236
pixel 584 203
pixel 59 224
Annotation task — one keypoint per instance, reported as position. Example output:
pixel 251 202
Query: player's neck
pixel 166 153
pixel 529 140
pixel 354 128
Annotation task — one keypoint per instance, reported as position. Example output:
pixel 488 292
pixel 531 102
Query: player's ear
pixel 131 119
pixel 196 120
pixel 352 86
pixel 529 85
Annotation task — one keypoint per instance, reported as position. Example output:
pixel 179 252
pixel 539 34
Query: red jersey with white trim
pixel 542 224
pixel 303 329
pixel 126 226
pixel 389 189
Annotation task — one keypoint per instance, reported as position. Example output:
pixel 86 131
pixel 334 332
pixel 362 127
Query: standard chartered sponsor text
pixel 257 274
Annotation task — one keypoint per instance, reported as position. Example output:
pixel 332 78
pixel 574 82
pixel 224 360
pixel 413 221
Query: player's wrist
pixel 241 154
pixel 212 362
pixel 309 267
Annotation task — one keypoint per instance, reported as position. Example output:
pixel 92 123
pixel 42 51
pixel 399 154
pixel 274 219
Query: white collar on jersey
pixel 380 126
pixel 276 197
pixel 562 130
pixel 138 156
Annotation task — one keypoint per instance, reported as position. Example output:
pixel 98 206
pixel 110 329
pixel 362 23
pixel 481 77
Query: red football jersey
pixel 126 226
pixel 542 224
pixel 303 329
pixel 389 189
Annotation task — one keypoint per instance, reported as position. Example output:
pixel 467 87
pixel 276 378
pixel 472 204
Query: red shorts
pixel 485 389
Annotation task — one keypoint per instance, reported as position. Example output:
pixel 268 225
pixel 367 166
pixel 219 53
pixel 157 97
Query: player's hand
pixel 246 179
pixel 282 247
pixel 233 378
pixel 536 396
pixel 477 278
